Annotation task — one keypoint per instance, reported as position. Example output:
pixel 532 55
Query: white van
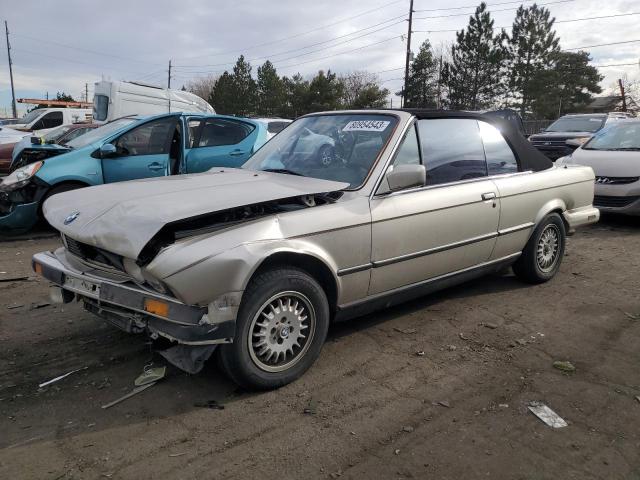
pixel 46 118
pixel 113 100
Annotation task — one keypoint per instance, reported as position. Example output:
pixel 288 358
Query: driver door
pixel 142 152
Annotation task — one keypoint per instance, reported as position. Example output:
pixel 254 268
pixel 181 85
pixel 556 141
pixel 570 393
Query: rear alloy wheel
pixel 280 329
pixel 542 256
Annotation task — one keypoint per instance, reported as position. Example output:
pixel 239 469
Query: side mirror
pixel 107 150
pixel 406 176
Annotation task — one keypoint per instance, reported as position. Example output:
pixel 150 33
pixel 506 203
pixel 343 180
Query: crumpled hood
pixel 608 163
pixel 123 217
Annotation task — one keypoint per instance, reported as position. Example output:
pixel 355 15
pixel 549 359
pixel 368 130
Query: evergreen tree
pixel 296 94
pixel 325 92
pixel 564 87
pixel 244 88
pixel 64 97
pixel 532 48
pixel 222 97
pixel 361 90
pixel 473 77
pixel 423 79
pixel 271 91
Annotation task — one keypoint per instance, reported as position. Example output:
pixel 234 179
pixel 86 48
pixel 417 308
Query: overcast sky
pixel 61 45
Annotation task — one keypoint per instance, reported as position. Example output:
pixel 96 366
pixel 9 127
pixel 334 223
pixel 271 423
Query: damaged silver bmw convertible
pixel 340 214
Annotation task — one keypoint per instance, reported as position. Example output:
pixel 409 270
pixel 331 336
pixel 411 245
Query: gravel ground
pixel 376 406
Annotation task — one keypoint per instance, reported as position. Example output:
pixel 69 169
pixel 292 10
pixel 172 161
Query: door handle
pixel 155 166
pixel 236 153
pixel 488 196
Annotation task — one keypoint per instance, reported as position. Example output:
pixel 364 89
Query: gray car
pixel 614 155
pixel 258 261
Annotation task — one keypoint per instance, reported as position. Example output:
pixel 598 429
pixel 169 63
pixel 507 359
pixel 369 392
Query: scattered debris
pixel 177 454
pixel 503 405
pixel 451 348
pixel 397 451
pixel 36 306
pixel 547 415
pixel 420 353
pixel 407 429
pixel 489 325
pixel 15 279
pixel 565 366
pixel 311 408
pixel 17 305
pixel 189 358
pixel 53 380
pixel 336 474
pixel 521 341
pixel 444 403
pixel 212 404
pixel 406 331
pixel 638 398
pixel 150 375
pixel 133 392
pixel 463 336
pixel 633 316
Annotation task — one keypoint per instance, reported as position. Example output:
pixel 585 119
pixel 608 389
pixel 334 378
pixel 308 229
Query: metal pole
pixel 406 65
pixel 169 79
pixel 13 92
pixel 86 92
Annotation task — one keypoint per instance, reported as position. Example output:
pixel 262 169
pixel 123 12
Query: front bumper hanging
pixel 131 308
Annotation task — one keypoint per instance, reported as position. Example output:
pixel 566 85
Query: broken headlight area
pixel 213 222
pixel 31 156
pixel 20 190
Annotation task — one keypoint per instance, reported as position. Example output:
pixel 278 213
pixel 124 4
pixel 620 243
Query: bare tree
pixel 202 86
pixel 361 89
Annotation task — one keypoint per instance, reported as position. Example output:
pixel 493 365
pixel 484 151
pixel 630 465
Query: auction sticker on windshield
pixel 366 126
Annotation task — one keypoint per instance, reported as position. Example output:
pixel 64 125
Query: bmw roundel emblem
pixel 71 217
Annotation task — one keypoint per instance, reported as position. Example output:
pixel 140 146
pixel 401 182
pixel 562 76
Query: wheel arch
pixel 311 264
pixel 555 205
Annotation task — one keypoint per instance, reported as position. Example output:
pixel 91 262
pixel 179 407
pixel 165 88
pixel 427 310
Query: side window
pixel 149 139
pixel 451 150
pixel 276 127
pixel 500 157
pixel 76 132
pixel 409 151
pixel 217 132
pixel 50 120
pixel 194 131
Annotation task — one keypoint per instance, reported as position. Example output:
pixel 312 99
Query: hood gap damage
pixel 212 222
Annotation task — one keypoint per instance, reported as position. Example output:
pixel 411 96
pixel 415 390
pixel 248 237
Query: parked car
pixel 42 120
pixel 126 149
pixel 258 261
pixel 552 141
pixel 614 155
pixel 274 125
pixel 33 148
pixel 112 100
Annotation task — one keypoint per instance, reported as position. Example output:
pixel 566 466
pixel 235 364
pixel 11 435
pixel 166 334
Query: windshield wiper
pixel 282 170
pixel 627 148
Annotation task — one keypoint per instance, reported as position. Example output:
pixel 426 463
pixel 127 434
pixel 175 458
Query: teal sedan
pixel 128 148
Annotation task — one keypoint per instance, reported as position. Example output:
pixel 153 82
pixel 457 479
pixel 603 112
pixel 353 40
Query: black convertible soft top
pixel 529 158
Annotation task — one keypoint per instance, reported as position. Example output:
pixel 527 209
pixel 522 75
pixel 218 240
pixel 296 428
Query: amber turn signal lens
pixel 156 307
pixel 37 268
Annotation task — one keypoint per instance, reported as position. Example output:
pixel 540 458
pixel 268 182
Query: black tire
pixel 240 361
pixel 326 155
pixel 65 187
pixel 534 268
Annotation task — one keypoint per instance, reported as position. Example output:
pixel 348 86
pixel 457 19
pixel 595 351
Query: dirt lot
pixel 375 408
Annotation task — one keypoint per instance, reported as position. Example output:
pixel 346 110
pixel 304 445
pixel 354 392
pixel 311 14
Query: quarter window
pixel 149 139
pixel 500 158
pixel 451 150
pixel 218 132
pixel 409 151
pixel 100 107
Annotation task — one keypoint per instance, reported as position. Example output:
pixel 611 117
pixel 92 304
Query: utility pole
pixel 624 98
pixel 13 92
pixel 169 78
pixel 86 92
pixel 406 65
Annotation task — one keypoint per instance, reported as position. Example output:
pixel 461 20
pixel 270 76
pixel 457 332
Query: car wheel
pixel 326 155
pixel 281 327
pixel 542 256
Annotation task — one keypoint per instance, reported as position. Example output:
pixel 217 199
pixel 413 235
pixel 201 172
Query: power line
pixel 309 46
pixel 492 11
pixel 470 6
pixel 557 21
pixel 615 65
pixel 244 49
pixel 602 45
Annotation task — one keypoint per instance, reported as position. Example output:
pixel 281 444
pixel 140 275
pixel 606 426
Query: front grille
pixel 616 180
pixel 92 254
pixel 610 201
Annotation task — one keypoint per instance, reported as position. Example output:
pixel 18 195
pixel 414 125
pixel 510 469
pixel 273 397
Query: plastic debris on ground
pixel 190 358
pixel 56 379
pixel 212 404
pixel 133 392
pixel 150 375
pixel 547 415
pixel 564 366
